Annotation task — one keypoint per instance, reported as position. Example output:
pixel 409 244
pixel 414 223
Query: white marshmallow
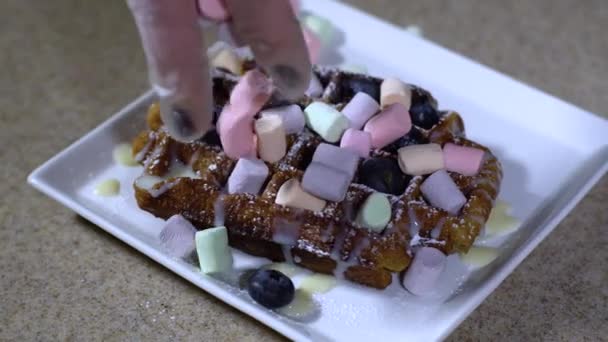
pixel 292 195
pixel 392 90
pixel 422 159
pixel 292 117
pixel 272 143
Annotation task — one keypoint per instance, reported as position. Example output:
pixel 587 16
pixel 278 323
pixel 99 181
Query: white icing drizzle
pixel 147 182
pixel 218 210
pixel 341 267
pixel 163 188
pixel 287 233
pixel 336 251
pixel 414 222
pixel 355 253
pixel 141 154
pixel 287 253
pixel 327 233
pixel 436 232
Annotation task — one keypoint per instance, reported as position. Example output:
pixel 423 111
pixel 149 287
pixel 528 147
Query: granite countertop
pixel 68 64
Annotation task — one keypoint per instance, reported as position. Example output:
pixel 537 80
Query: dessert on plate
pixel 362 178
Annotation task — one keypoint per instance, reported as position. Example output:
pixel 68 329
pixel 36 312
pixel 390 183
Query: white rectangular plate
pixel 552 153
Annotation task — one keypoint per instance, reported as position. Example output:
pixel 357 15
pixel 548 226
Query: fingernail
pixel 178 122
pixel 182 123
pixel 288 80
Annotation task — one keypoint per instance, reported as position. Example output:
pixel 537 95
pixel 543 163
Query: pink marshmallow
pixel 359 142
pixel 313 43
pixel 235 129
pixel 360 108
pixel 461 159
pixel 387 126
pixel 213 9
pixel 251 92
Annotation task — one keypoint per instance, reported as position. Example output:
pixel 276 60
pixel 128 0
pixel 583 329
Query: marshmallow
pixel 375 212
pixel 389 125
pixel 326 182
pixel 229 60
pixel 464 160
pixel 441 191
pixel 315 88
pixel 336 158
pixel 359 109
pixel 291 115
pixel 216 48
pixel 236 132
pixel 320 26
pixel 251 92
pixel 421 159
pixel 248 176
pixel 272 143
pixel 392 90
pixel 354 68
pixel 326 121
pixel 177 237
pixel 214 255
pixel 313 43
pixel 292 195
pixel 359 142
pixel 423 273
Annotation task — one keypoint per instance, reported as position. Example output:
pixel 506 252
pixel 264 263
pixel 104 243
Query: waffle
pixel 189 179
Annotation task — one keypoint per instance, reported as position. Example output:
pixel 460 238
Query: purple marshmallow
pixel 424 271
pixel 337 158
pixel 325 182
pixel 360 108
pixel 441 191
pixel 248 176
pixel 177 237
pixel 291 116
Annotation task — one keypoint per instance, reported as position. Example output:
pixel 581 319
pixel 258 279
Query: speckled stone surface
pixel 68 64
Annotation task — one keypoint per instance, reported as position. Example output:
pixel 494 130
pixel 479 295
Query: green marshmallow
pixel 320 27
pixel 326 121
pixel 375 213
pixel 214 255
pixel 354 68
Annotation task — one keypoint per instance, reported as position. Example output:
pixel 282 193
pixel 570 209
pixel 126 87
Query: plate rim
pixel 37 180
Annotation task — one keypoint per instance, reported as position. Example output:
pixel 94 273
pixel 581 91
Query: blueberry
pixel 212 138
pixel 352 84
pixel 423 109
pixel 414 137
pixel 384 175
pixel 270 288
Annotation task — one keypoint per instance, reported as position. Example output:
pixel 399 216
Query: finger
pixel 177 65
pixel 272 31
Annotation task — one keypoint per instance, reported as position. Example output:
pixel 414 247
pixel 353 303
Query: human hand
pixel 177 62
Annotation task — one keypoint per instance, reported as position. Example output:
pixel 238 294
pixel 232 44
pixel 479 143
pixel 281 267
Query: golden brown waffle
pixel 188 179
